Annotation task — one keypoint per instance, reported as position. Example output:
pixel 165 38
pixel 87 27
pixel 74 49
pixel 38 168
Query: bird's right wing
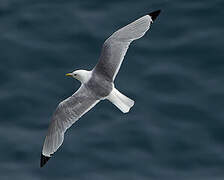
pixel 67 113
pixel 115 47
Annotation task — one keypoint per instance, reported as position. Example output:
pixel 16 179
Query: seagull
pixel 96 85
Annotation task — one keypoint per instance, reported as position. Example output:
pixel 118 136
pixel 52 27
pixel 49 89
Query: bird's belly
pixel 100 87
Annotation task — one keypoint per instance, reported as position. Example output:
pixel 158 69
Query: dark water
pixel 175 74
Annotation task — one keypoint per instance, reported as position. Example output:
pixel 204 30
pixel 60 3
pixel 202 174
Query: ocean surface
pixel 175 74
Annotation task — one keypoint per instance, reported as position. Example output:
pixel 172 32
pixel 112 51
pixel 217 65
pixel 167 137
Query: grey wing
pixel 116 46
pixel 67 113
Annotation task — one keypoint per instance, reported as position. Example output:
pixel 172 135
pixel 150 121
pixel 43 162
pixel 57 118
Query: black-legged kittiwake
pixel 96 85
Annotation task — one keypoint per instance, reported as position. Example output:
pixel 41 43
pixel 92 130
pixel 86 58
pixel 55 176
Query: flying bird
pixel 96 85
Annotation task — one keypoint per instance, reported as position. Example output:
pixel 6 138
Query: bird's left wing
pixel 67 113
pixel 116 46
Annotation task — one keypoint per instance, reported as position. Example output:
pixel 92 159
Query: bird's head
pixel 82 75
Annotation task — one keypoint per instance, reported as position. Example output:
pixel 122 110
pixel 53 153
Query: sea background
pixel 175 74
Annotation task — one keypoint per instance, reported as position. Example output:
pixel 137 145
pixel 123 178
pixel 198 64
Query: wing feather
pixel 66 114
pixel 116 46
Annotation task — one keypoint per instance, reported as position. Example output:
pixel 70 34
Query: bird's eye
pixel 74 74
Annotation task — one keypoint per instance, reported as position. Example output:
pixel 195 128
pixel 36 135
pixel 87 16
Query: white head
pixel 82 75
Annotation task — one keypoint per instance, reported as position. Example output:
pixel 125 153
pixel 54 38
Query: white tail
pixel 121 101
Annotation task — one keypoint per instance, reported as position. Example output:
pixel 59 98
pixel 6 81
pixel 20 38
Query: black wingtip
pixel 43 160
pixel 154 14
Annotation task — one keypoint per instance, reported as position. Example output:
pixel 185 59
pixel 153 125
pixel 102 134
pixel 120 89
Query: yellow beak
pixel 68 74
